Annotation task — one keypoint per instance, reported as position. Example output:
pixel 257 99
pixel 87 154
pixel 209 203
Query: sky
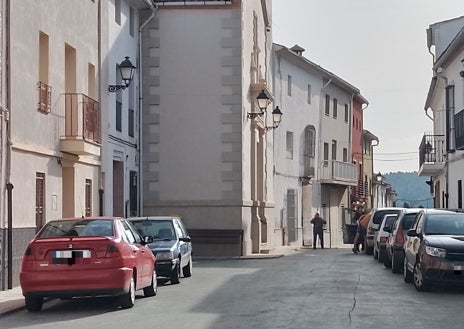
pixel 380 47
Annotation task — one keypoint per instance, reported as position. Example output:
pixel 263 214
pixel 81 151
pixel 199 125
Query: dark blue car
pixel 169 241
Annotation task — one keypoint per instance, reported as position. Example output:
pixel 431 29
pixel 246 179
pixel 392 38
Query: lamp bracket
pixel 254 115
pixel 114 88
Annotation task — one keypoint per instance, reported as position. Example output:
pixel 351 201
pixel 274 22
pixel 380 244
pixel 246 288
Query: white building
pixel 313 159
pixel 441 152
pixel 121 31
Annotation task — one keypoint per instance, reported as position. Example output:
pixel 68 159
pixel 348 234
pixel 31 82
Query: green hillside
pixel 410 189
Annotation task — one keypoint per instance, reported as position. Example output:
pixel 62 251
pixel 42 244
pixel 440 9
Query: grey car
pixel 169 241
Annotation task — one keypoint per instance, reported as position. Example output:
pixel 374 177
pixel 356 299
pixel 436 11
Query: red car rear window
pixel 81 227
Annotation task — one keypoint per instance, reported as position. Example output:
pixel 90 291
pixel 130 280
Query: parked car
pixel 434 249
pixel 394 255
pixel 169 241
pixel 374 224
pixel 87 257
pixel 381 236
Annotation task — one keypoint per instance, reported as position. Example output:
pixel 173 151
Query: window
pixel 39 200
pixel 131 123
pixel 459 129
pixel 88 197
pixel 45 91
pixel 309 94
pixel 289 145
pixel 309 151
pixel 459 194
pixel 334 149
pixel 289 85
pixel 118 116
pixel 326 154
pixel 335 110
pixel 327 105
pixel 346 113
pixel 130 113
pixel 131 21
pixel 292 215
pixel 117 11
pixel 118 101
pixel 449 114
pixel 345 154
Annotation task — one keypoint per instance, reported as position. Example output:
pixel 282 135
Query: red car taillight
pixel 399 235
pixel 112 251
pixel 28 262
pixel 383 239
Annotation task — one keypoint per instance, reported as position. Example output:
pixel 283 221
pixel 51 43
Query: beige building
pixel 53 158
pixel 203 158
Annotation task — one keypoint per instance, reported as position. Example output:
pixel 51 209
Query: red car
pixel 87 257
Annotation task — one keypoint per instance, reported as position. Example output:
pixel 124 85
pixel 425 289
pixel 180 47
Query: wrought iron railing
pixel 432 149
pixel 45 96
pixel 82 117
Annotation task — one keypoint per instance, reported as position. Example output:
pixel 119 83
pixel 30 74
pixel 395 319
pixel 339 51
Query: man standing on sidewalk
pixel 318 230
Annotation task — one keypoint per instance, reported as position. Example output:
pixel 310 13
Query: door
pixel 349 226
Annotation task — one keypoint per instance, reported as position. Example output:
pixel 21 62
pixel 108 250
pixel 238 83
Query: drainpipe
pixel 9 186
pixel 153 7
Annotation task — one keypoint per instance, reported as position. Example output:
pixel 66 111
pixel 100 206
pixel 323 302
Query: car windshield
pixel 444 224
pixel 408 220
pixel 158 229
pixel 80 227
pixel 379 214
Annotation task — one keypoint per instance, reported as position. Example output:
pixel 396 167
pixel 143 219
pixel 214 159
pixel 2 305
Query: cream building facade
pixel 203 158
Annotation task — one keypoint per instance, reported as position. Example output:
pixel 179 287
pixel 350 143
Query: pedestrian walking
pixel 318 230
pixel 361 231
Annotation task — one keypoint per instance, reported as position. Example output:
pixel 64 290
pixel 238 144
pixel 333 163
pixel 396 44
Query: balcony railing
pixel 431 154
pixel 361 190
pixel 338 172
pixel 45 95
pixel 82 125
pixel 82 117
pixel 192 2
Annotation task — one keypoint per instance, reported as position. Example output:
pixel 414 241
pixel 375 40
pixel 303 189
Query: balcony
pixel 432 155
pixel 192 2
pixel 339 173
pixel 360 191
pixel 82 125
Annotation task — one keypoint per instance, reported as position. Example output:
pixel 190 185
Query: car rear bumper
pixel 69 283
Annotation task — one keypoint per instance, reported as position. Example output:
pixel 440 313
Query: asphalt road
pixel 311 289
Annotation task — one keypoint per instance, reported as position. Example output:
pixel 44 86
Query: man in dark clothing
pixel 318 227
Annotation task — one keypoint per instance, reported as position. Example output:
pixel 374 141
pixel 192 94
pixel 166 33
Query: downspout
pixel 153 9
pixel 9 185
pixel 100 174
pixel 320 162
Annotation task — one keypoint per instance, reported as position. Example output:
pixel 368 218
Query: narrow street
pixel 309 289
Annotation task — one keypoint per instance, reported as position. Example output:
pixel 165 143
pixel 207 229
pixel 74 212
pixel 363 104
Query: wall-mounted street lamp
pixel 379 178
pixel 276 118
pixel 127 70
pixel 263 101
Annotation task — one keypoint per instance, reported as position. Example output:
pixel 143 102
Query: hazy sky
pixel 380 47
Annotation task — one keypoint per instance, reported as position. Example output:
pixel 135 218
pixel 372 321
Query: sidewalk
pixel 12 300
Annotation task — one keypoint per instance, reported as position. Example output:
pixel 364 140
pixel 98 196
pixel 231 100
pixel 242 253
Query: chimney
pixel 297 50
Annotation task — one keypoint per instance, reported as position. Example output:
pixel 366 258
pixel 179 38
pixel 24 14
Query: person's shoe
pixel 355 250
